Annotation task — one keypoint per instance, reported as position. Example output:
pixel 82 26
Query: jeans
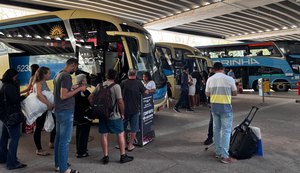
pixel 210 133
pixel 184 98
pixel 64 128
pixel 222 132
pixel 82 137
pixel 10 155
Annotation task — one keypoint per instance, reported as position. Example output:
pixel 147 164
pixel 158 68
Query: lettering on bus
pixel 238 62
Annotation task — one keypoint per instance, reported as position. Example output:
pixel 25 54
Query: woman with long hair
pixel 42 75
pixel 8 150
pixel 33 69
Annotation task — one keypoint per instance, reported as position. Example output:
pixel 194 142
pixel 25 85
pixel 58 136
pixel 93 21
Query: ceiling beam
pixel 30 5
pixel 209 11
pixel 265 34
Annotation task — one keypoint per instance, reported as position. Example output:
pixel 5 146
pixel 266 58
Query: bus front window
pixel 144 62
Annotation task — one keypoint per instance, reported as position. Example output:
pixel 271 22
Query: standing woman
pixel 148 82
pixel 8 151
pixel 42 75
pixel 81 116
pixel 33 69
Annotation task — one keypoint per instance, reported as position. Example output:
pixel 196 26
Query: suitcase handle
pixel 250 116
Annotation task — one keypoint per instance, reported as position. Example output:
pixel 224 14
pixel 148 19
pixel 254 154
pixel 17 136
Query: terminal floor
pixel 178 144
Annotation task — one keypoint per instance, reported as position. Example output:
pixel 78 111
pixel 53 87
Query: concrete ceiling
pixel 228 19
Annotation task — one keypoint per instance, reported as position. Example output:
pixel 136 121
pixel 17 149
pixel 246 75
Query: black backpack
pixel 102 102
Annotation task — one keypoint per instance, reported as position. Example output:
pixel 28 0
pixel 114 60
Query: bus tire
pixel 255 86
pixel 281 86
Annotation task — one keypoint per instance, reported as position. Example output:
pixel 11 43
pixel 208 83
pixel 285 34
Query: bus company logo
pixel 238 62
pixel 56 32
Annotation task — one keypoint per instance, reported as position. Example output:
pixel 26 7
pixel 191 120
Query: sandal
pixel 42 153
pixel 130 149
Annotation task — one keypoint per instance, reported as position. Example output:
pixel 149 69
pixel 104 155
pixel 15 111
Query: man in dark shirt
pixel 184 96
pixel 132 89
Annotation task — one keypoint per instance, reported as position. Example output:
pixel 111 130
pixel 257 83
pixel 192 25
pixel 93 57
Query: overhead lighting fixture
pixel 275 29
pixel 8 35
pixel 268 30
pixel 294 26
pixel 197 6
pixel 206 3
pixel 246 33
pixel 1 33
pixel 28 36
pixel 252 32
pixel 47 37
pixel 187 9
pixel 260 31
pixel 178 12
pixel 171 14
pixel 240 34
pixel 232 35
pixel 19 35
pixel 37 36
pixel 284 27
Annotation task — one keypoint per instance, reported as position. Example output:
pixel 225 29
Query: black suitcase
pixel 243 141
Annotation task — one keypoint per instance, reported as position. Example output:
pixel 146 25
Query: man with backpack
pixel 132 91
pixel 110 116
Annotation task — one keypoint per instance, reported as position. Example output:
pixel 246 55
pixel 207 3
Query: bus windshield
pixel 290 48
pixel 144 62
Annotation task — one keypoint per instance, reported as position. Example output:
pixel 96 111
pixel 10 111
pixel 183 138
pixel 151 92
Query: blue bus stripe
pixel 30 23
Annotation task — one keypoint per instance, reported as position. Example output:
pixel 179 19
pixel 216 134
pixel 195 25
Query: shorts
pixel 133 120
pixel 111 126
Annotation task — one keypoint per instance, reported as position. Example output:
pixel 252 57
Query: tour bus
pixel 276 61
pixel 174 56
pixel 98 41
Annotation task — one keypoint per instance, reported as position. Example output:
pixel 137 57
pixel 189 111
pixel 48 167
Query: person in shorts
pixel 113 124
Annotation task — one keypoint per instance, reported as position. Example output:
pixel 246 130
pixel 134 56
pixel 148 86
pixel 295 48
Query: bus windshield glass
pixel 144 62
pixel 290 48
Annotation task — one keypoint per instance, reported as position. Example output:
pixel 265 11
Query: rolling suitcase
pixel 243 141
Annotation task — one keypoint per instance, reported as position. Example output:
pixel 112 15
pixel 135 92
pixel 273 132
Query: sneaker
pixel 176 110
pixel 105 160
pixel 125 158
pixel 189 110
pixel 208 141
pixel 227 160
pixel 218 156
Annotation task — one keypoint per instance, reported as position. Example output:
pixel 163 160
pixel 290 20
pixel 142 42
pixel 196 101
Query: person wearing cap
pixel 82 116
pixel 220 88
pixel 184 96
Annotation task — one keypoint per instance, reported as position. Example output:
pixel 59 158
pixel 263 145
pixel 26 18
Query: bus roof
pixel 69 14
pixel 178 46
pixel 250 44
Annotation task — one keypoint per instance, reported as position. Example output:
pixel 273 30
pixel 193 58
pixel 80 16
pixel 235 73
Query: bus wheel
pixel 280 87
pixel 255 86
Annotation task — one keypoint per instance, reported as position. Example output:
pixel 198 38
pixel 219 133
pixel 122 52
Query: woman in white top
pixel 192 90
pixel 148 82
pixel 42 75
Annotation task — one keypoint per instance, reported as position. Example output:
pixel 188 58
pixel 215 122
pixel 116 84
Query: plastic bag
pixel 49 122
pixel 33 108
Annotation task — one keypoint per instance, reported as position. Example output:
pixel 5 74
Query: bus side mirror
pixel 143 43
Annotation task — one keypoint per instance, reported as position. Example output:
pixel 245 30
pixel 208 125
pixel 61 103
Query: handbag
pixel 11 117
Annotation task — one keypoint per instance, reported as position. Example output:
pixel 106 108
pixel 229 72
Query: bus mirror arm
pixel 141 39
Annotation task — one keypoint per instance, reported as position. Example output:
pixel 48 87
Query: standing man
pixel 184 96
pixel 220 88
pixel 114 123
pixel 132 92
pixel 64 102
